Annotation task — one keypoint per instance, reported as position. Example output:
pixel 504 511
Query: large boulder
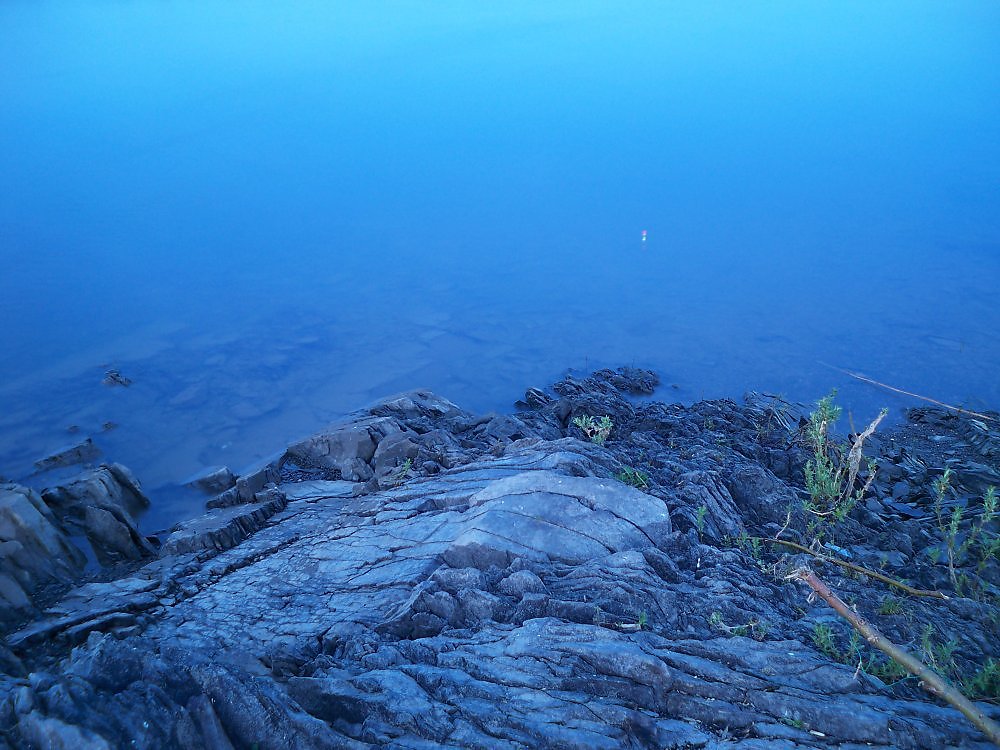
pixel 34 550
pixel 345 448
pixel 377 441
pixel 102 505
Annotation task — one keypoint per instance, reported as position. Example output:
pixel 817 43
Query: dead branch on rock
pixel 861 569
pixel 932 682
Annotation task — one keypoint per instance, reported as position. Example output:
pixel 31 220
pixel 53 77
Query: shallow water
pixel 266 217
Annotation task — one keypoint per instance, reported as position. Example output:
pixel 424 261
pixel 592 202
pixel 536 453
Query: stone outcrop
pixel 490 584
pixel 246 488
pixel 102 505
pixel 213 480
pixel 34 550
pixel 97 508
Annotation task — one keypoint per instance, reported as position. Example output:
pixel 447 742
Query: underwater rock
pixel 114 378
pixel 80 453
pixel 213 480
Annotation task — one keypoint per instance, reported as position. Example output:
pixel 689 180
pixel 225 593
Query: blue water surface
pixel 268 214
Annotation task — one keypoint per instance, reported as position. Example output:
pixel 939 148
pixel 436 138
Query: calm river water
pixel 268 214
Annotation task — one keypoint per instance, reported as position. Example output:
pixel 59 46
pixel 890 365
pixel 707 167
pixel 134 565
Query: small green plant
pixel 633 477
pixel 597 430
pixel 947 523
pixel 751 545
pixel 938 656
pixel 404 471
pixel 822 637
pixel 887 670
pixel 857 655
pixel 699 519
pixel 891 605
pixel 793 722
pixel 832 474
pixel 977 535
pixel 643 620
pixel 985 684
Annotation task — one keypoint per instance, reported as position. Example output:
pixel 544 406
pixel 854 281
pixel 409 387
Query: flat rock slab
pixel 319 489
pixel 222 528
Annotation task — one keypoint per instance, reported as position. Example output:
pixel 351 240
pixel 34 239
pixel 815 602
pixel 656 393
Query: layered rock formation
pixel 421 577
pixel 98 507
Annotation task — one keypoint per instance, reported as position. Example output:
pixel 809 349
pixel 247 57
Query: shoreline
pixel 414 529
pixel 233 395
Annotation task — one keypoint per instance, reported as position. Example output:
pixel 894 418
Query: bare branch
pixel 860 569
pixel 932 682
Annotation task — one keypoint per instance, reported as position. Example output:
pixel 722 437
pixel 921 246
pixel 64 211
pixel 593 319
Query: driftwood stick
pixel 932 682
pixel 860 569
pixel 957 409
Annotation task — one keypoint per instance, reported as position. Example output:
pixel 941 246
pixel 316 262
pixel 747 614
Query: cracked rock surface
pixel 422 577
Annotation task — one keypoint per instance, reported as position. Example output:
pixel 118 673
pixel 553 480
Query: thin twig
pixel 865 379
pixel 788 520
pixel 860 569
pixel 932 682
pixel 856 454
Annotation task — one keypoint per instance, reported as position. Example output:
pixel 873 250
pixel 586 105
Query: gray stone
pixel 248 485
pixel 223 528
pixel 456 579
pixel 34 550
pixel 111 539
pixel 102 503
pixel 336 448
pixel 39 730
pixel 505 427
pixel 392 452
pixel 108 486
pixel 356 470
pixel 246 488
pixel 477 606
pixel 415 405
pixel 213 480
pixel 318 489
pixel 520 583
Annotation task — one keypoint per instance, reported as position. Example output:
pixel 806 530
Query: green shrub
pixel 597 430
pixel 978 535
pixel 985 684
pixel 832 474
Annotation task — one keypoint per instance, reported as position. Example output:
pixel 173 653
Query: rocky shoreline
pixel 418 576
